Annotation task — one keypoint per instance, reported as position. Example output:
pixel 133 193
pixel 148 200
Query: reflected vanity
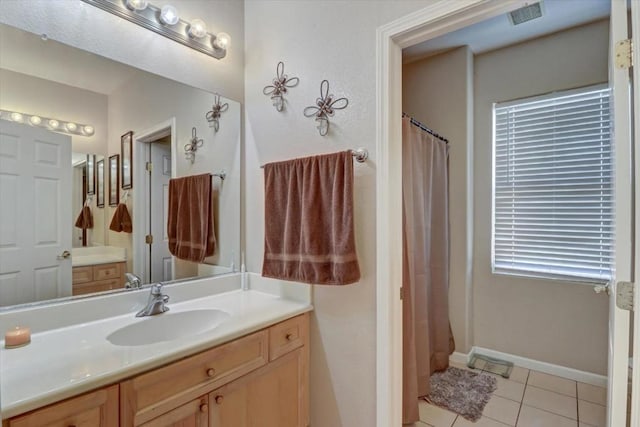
pixel 50 79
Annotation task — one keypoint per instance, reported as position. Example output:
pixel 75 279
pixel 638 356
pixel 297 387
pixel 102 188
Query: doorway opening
pixel 153 167
pixel 430 23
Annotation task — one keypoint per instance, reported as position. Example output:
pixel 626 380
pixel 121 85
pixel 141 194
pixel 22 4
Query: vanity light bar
pixel 148 16
pixel 55 125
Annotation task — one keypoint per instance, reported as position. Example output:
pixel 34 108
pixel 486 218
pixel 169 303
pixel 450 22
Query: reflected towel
pixel 121 220
pixel 190 222
pixel 309 231
pixel 85 219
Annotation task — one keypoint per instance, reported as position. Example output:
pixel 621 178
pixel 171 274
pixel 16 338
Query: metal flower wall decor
pixel 213 116
pixel 281 83
pixel 192 146
pixel 325 107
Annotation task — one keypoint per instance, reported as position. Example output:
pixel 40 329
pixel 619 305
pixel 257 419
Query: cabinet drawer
pixel 106 271
pixel 101 286
pixel 82 274
pixel 149 395
pixel 96 409
pixel 287 336
pixel 191 414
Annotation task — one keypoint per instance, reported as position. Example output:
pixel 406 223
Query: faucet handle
pixel 156 289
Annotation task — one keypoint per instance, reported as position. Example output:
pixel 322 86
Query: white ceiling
pixel 498 31
pixel 27 53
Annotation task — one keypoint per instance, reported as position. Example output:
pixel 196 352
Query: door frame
pixel 441 17
pixel 140 220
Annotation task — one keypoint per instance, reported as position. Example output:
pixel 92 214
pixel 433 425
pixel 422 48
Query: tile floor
pixel 529 399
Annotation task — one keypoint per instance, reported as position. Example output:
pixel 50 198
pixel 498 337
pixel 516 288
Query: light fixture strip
pixel 149 18
pixel 63 126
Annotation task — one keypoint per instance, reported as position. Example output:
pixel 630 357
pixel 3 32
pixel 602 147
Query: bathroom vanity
pixel 97 269
pixel 248 368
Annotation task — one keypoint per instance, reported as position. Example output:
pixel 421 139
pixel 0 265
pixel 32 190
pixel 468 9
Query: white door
pixel 35 207
pixel 619 319
pixel 161 258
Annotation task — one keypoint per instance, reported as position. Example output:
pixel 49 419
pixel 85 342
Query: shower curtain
pixel 427 337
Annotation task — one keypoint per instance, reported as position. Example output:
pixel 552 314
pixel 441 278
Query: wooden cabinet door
pixel 273 396
pixel 192 414
pixel 96 409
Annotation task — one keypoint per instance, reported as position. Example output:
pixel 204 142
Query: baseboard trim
pixel 536 365
pixel 459 358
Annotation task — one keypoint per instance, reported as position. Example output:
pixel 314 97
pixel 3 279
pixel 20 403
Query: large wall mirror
pixel 65 110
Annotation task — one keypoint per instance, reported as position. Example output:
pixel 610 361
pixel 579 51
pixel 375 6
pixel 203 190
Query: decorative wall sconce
pixel 280 85
pixel 55 125
pixel 192 146
pixel 213 116
pixel 325 107
pixel 166 22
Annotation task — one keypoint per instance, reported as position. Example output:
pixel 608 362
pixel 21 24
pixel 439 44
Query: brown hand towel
pixel 309 232
pixel 85 219
pixel 121 220
pixel 190 222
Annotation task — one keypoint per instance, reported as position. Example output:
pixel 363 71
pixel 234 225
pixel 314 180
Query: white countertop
pixel 67 361
pixel 84 260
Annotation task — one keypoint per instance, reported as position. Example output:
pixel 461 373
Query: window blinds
pixel 553 186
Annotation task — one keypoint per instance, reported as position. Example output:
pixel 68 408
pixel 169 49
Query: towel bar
pixel 360 154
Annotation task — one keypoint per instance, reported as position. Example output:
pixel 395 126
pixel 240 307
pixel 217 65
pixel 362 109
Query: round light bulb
pixel 35 120
pixel 89 130
pixel 222 41
pixel 53 124
pixel 197 28
pixel 71 127
pixel 137 4
pixel 16 117
pixel 169 15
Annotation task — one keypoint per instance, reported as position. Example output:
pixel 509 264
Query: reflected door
pixel 35 207
pixel 161 259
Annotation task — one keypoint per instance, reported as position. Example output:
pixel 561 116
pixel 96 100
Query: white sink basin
pixel 167 327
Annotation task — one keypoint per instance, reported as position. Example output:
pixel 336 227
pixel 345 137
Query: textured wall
pixel 317 40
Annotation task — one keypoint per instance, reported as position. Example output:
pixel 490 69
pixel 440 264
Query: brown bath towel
pixel 85 219
pixel 309 232
pixel 121 220
pixel 190 222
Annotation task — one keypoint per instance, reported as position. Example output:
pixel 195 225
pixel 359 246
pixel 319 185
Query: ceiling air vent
pixel 527 13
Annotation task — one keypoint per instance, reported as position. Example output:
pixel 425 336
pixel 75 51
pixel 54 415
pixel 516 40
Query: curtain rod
pixel 425 128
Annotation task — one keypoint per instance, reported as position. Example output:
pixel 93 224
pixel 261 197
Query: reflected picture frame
pixel 114 178
pixel 100 183
pixel 90 172
pixel 126 165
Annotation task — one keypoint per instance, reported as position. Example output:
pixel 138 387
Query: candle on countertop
pixel 17 337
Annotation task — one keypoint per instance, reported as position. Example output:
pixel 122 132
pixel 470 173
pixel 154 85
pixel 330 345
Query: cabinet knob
pixel 211 372
pixel 288 337
pixel 204 407
pixel 219 399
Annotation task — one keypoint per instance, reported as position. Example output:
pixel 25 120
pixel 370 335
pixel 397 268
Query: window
pixel 553 186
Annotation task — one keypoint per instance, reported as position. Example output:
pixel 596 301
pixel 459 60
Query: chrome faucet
pixel 156 303
pixel 133 281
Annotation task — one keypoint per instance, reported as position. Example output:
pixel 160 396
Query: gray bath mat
pixel 463 392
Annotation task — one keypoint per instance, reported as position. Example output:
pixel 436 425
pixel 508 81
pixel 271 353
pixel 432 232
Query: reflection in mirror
pixel 127 232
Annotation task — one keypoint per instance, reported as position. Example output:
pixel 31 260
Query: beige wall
pixel 438 92
pixel 318 40
pixel 552 321
pixel 556 322
pixel 148 100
